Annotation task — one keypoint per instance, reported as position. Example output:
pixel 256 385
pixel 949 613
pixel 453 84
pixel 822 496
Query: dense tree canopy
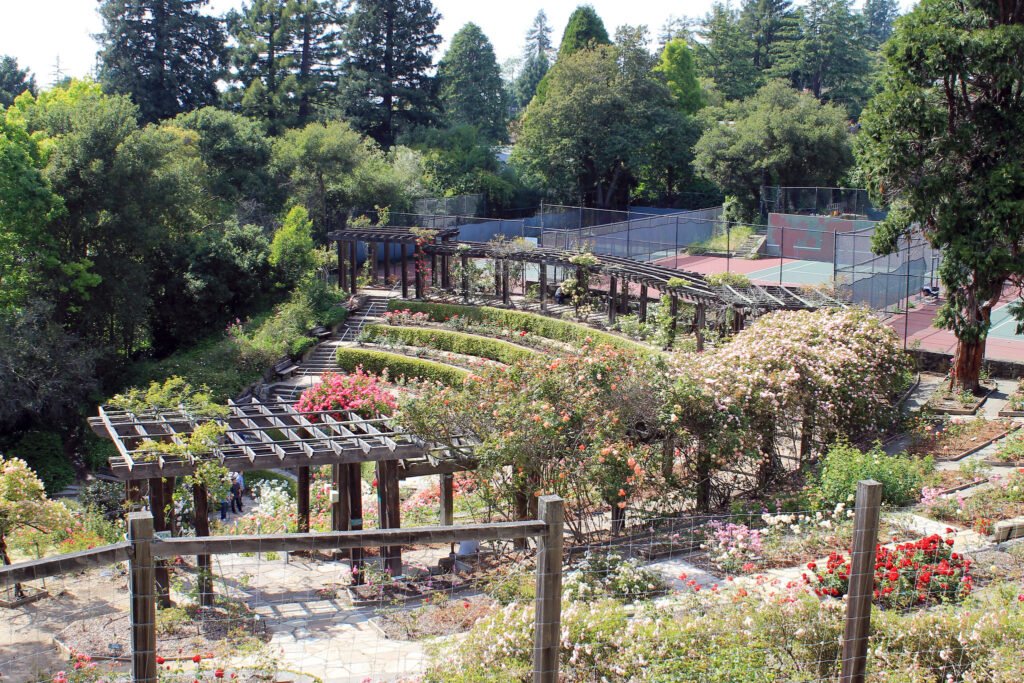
pixel 387 83
pixel 584 30
pixel 14 81
pixel 777 137
pixel 164 54
pixel 943 145
pixel 471 90
pixel 726 53
pixel 677 67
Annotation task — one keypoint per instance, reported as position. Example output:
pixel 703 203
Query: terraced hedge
pixel 349 359
pixel 543 326
pixel 453 342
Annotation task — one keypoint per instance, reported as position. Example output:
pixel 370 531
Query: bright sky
pixel 38 32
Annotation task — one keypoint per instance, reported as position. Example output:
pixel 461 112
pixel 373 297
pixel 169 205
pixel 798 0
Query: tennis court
pixel 1004 325
pixel 794 273
pixel 762 271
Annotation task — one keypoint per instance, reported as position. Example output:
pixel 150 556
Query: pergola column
pixel 433 269
pixel 674 309
pixel 355 500
pixel 625 296
pixel 497 278
pixel 302 500
pixel 447 499
pixel 612 298
pixel 201 508
pixel 405 268
pixel 158 508
pixel 698 325
pixel 446 282
pixel 543 284
pixel 506 294
pixel 389 511
pixel 643 303
pixel 341 265
pixel 387 262
pixel 354 265
pixel 465 277
pixel 418 272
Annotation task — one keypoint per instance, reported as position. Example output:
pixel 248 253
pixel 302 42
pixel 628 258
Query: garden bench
pixel 285 367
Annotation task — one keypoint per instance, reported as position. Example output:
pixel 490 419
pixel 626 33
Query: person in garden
pixel 236 493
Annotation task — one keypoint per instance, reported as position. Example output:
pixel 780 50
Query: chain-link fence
pixel 816 201
pixel 463 205
pixel 884 282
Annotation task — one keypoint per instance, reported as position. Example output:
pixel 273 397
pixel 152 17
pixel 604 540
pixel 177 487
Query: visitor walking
pixel 236 493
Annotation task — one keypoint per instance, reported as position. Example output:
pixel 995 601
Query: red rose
pixel 197 658
pixel 219 673
pixel 160 660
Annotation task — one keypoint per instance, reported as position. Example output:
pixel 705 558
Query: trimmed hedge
pixel 348 359
pixel 542 326
pixel 454 342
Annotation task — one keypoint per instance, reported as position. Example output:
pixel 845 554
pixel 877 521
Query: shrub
pixel 106 497
pixel 397 366
pixel 730 279
pixel 608 575
pixel 359 393
pixel 922 572
pixel 542 326
pixel 44 453
pixel 217 363
pixel 844 465
pixel 454 342
pixel 97 452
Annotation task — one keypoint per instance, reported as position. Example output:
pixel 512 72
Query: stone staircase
pixel 750 247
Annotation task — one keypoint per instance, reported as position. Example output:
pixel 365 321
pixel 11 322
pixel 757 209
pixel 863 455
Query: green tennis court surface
pixel 794 273
pixel 1004 325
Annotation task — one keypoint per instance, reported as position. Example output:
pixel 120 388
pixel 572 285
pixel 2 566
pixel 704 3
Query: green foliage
pixel 471 89
pixel 550 328
pixel 600 121
pixel 460 160
pixel 175 393
pixel 731 279
pixel 943 146
pixel 583 31
pixel 291 250
pixel 454 342
pixel 773 25
pixel 44 453
pixel 879 17
pixel 388 47
pixel 608 575
pixel 163 53
pixel 379 362
pixel 14 81
pixel 777 137
pixel 844 465
pixel 105 497
pixel 254 477
pixel 725 53
pixel 210 474
pixel 723 241
pixel 677 67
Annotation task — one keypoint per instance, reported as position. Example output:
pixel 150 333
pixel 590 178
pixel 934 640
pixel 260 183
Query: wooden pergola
pixel 621 272
pixel 266 435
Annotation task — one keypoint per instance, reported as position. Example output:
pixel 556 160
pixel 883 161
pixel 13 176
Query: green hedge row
pixel 543 326
pixel 454 342
pixel 348 359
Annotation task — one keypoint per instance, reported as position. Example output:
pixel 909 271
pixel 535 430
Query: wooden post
pixel 354 264
pixel 547 626
pixel 387 263
pixel 340 510
pixel 158 508
pixel 447 499
pixel 405 267
pixel 341 265
pixel 393 504
pixel 433 269
pixel 698 325
pixel 497 278
pixel 201 507
pixel 446 275
pixel 355 501
pixel 465 277
pixel 643 303
pixel 674 310
pixel 543 285
pixel 612 299
pixel 506 292
pixel 302 500
pixel 862 581
pixel 625 296
pixel 143 597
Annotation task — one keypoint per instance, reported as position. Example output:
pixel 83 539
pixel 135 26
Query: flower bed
pixel 1003 500
pixel 1010 451
pixel 398 366
pixel 948 440
pixel 440 616
pixel 1015 403
pixel 949 402
pixel 923 572
pixel 444 340
pixel 403 590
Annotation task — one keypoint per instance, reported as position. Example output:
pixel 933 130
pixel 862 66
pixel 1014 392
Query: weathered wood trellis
pixel 270 435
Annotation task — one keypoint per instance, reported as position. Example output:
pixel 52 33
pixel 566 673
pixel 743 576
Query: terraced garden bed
pixel 947 440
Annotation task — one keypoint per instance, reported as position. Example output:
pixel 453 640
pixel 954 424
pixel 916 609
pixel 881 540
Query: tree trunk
pixel 967 364
pixel 19 592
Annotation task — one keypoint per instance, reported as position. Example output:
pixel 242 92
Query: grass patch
pixel 723 242
pixel 397 366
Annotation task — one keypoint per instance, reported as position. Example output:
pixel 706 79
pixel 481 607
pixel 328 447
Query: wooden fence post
pixel 547 626
pixel 447 499
pixel 862 581
pixel 143 597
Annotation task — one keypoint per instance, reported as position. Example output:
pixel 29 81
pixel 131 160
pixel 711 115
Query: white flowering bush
pixel 601 576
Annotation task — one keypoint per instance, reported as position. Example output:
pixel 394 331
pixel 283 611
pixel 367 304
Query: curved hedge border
pixel 348 359
pixel 455 342
pixel 543 326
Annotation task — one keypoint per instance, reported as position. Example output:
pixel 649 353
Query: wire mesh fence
pixel 817 201
pixel 884 282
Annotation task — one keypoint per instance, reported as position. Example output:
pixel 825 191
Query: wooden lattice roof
pixel 386 234
pixel 267 435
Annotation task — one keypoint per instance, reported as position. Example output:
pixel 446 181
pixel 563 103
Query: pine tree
pixel 471 89
pixel 387 86
pixel 726 53
pixel 262 61
pixel 677 67
pixel 316 52
pixel 537 55
pixel 770 23
pixel 14 81
pixel 584 29
pixel 165 54
pixel 538 39
pixel 879 16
